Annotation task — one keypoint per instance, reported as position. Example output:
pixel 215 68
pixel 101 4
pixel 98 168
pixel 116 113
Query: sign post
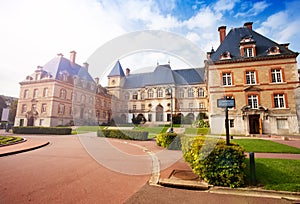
pixel 226 103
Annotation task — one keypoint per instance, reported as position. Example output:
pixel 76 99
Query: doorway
pixel 254 124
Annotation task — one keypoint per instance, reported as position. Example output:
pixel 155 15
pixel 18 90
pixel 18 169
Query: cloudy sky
pixel 35 31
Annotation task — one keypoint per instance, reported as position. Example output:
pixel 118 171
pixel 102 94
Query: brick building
pixel 61 93
pixel 261 75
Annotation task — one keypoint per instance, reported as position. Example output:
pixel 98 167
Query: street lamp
pixel 169 92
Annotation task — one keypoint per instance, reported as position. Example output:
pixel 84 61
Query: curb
pixel 24 150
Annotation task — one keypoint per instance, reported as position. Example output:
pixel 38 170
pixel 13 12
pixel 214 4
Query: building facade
pixel 261 75
pixel 62 93
pixel 159 95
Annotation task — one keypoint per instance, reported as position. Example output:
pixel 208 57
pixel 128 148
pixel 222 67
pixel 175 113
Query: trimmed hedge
pixel 123 134
pixel 41 130
pixel 165 139
pixel 217 163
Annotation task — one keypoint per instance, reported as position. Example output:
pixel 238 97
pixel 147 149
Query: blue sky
pixel 34 31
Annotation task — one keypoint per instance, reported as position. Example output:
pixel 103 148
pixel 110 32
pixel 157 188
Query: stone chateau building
pixel 260 74
pixel 62 93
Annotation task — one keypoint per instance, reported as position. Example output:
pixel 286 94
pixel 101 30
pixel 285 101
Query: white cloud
pixel 253 10
pixel 224 5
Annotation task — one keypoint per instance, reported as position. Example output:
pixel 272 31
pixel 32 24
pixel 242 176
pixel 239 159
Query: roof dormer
pixel 225 55
pixel 248 46
pixel 273 50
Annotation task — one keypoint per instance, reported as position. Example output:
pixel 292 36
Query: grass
pixel 7 140
pixel 260 145
pixel 197 131
pixel 276 174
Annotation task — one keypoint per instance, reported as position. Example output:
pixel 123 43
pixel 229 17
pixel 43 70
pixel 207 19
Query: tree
pixel 13 111
pixel 2 105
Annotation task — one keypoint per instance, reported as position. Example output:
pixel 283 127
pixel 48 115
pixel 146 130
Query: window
pixel 253 101
pixel 134 107
pixel 126 96
pixel 248 52
pixel 201 105
pixel 74 97
pixel 143 106
pixel 279 101
pixel 61 109
pixel 190 92
pixel 83 98
pixel 41 122
pixel 44 108
pixel 91 100
pixel 35 93
pixel 62 94
pixel 142 95
pixel 160 93
pixel 24 108
pixel 200 92
pixel 26 94
pixel 226 79
pixel 282 123
pixel 135 96
pixel 33 107
pixel 45 92
pixel 231 123
pixel 180 93
pixel 250 77
pixel 150 93
pixel 276 75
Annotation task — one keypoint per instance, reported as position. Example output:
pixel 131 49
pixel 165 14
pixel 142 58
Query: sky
pixel 34 31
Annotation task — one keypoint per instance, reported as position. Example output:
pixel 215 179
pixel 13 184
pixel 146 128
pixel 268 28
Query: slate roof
pixel 163 74
pixel 59 65
pixel 117 70
pixel 232 40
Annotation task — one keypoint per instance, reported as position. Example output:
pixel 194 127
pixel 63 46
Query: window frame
pixel 225 76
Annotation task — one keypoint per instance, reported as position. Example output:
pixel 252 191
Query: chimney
pixel 97 80
pixel 86 66
pixel 248 25
pixel 60 55
pixel 127 71
pixel 72 56
pixel 222 32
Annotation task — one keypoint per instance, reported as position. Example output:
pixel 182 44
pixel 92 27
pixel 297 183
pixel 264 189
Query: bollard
pixel 252 169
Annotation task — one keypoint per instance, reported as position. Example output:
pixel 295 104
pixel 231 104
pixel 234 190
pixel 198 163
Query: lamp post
pixel 170 92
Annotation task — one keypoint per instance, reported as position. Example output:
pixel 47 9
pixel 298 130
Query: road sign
pixel 225 103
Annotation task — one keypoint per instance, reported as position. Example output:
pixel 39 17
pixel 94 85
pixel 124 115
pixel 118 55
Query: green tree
pixel 2 105
pixel 13 111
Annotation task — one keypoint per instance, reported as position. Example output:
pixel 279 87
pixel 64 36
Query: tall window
pixel 200 92
pixel 201 105
pixel 190 92
pixel 276 75
pixel 248 52
pixel 142 95
pixel 44 107
pixel 24 108
pixel 150 93
pixel 134 107
pixel 35 93
pixel 61 109
pixel 279 101
pixel 83 98
pixel 62 93
pixel 45 92
pixel 26 94
pixel 160 93
pixel 253 101
pixel 135 96
pixel 226 79
pixel 180 93
pixel 126 96
pixel 33 107
pixel 250 77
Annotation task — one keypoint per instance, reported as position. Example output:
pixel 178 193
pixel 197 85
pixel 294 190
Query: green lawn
pixel 6 140
pixel 260 145
pixel 276 174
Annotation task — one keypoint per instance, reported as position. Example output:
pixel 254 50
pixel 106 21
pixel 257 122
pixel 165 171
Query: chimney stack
pixel 248 25
pixel 86 66
pixel 222 32
pixel 127 71
pixel 97 80
pixel 72 56
pixel 60 55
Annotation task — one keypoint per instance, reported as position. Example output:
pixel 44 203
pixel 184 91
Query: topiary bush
pixel 123 134
pixel 217 163
pixel 165 139
pixel 42 130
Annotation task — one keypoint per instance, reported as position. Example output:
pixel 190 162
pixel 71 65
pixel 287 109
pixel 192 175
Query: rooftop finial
pixel 169 62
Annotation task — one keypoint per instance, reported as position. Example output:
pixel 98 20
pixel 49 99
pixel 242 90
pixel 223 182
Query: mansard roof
pixel 117 70
pixel 232 41
pixel 163 74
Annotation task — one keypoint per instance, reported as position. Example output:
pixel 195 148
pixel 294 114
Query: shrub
pixel 165 139
pixel 42 130
pixel 123 134
pixel 201 123
pixel 217 163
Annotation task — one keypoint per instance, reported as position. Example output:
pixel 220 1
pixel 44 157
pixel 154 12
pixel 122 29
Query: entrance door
pixel 30 121
pixel 254 124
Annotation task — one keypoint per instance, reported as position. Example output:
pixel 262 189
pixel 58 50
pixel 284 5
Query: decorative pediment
pixel 252 88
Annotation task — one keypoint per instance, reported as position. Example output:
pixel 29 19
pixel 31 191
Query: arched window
pixel 159 93
pixel 150 93
pixel 190 92
pixel 200 92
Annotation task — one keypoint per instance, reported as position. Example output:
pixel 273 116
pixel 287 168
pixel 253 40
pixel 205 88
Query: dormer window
pixel 247 47
pixel 274 50
pixel 248 52
pixel 225 55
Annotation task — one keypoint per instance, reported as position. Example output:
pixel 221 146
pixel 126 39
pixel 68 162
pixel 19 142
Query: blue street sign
pixel 223 103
